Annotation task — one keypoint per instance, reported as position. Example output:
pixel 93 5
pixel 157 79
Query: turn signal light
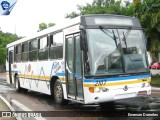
pixel 91 89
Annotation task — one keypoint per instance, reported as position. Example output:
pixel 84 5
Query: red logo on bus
pixel 29 68
pixel 14 66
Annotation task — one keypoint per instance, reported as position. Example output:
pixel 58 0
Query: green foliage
pixel 72 15
pixel 2 55
pixel 105 7
pixel 43 26
pixel 5 38
pixel 155 80
pixel 51 24
pixel 148 11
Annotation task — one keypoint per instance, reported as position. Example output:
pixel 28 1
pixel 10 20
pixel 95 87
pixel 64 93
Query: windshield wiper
pixel 115 38
pixel 105 31
pixel 109 33
pixel 125 36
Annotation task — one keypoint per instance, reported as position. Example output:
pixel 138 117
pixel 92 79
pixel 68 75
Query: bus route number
pixel 100 82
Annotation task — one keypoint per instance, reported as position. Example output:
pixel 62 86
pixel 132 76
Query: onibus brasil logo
pixel 7 6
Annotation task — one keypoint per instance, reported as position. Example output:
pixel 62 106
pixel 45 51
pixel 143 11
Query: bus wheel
pixel 17 85
pixel 58 93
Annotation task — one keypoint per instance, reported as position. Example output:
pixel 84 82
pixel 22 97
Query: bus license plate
pixel 142 93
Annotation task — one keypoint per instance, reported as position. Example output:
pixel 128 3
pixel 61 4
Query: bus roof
pixel 110 20
pixel 56 28
pixel 65 24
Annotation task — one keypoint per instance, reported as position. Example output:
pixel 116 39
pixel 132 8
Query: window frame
pixel 25 51
pixel 18 52
pixel 52 48
pixel 33 50
pixel 44 49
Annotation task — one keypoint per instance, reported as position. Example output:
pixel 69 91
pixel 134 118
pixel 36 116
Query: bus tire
pixel 58 93
pixel 17 85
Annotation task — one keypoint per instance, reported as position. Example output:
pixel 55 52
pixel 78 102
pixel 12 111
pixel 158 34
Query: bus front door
pixel 74 67
pixel 10 61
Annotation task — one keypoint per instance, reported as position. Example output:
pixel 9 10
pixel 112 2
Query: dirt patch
pixel 3 106
pixel 3 76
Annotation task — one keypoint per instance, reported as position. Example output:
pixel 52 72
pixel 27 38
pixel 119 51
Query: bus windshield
pixel 115 51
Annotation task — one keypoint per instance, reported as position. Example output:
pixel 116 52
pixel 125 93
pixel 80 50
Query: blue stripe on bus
pixel 118 78
pixel 13 71
pixel 60 74
pixel 63 75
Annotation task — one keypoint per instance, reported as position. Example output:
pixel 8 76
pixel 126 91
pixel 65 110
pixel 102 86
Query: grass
pixel 155 81
pixel 3 107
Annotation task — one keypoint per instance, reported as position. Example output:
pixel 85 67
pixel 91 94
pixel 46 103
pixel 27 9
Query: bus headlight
pixel 94 89
pixel 105 89
pixel 97 89
pixel 147 84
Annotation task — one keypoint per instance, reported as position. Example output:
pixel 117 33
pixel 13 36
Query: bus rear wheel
pixel 58 93
pixel 17 85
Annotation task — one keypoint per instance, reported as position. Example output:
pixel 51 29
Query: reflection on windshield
pixel 105 48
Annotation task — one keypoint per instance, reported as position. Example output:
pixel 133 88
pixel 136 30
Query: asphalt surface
pixel 121 108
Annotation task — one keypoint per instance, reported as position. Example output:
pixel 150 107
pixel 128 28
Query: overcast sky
pixel 27 14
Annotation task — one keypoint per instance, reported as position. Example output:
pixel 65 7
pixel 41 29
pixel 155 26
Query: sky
pixel 28 14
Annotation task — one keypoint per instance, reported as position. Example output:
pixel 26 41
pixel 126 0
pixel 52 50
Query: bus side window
pixel 18 53
pixel 33 48
pixel 43 48
pixel 25 51
pixel 56 46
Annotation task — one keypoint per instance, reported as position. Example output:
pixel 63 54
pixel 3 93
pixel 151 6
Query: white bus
pixel 90 59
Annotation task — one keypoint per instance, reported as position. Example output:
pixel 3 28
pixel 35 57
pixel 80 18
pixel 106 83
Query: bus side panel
pixel 36 75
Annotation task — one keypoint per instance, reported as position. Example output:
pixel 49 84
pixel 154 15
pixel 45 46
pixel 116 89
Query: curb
pixel 155 88
pixel 20 107
pixel 9 106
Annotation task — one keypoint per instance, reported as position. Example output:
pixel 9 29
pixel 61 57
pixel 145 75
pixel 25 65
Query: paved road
pixel 41 102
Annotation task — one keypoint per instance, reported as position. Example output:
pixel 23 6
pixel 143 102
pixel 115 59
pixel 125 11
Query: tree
pixel 42 26
pixel 105 7
pixel 148 11
pixel 5 38
pixel 51 24
pixel 72 15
